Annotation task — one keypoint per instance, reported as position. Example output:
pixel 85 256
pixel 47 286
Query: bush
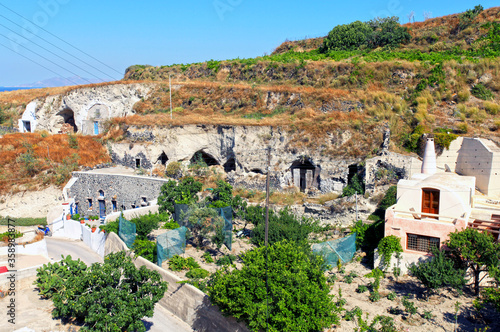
pixel 146 249
pixel 482 92
pixel 148 222
pixel 355 185
pixel 171 225
pixel 374 296
pixel 387 246
pixel 491 108
pixel 111 226
pixel 207 258
pixel 299 300
pixel 438 272
pixel 391 296
pixel 361 289
pixel 197 273
pixel 173 169
pixel 226 260
pixel 178 263
pixel 283 225
pixel 99 297
pixel 172 193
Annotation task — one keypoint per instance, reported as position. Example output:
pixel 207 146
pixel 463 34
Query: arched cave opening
pixel 305 174
pixel 257 170
pixel 69 118
pixel 203 157
pixel 230 165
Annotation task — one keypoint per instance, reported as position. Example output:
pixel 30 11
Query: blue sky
pixel 161 32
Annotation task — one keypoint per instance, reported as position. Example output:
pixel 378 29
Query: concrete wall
pixel 185 301
pixel 406 259
pixel 37 248
pixel 132 213
pixel 126 190
pixel 454 197
pixel 480 158
pixel 402 225
pixel 75 230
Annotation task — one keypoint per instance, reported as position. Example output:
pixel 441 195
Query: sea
pixel 3 88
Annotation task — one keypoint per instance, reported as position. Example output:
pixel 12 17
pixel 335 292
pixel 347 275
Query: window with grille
pixel 421 242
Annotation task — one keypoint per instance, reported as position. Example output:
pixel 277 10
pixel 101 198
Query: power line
pixel 45 58
pixel 36 62
pixel 76 48
pixel 42 47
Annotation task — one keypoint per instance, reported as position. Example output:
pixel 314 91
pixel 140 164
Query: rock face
pixel 84 110
pixel 242 152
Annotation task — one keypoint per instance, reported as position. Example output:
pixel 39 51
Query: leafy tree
pixel 346 37
pixel 100 295
pixel 437 273
pixel 172 193
pixel 471 249
pixel 298 294
pixel 387 32
pixel 283 225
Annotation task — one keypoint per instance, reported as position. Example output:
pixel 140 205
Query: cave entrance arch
pixel 305 174
pixel 68 117
pixel 230 165
pixel 203 157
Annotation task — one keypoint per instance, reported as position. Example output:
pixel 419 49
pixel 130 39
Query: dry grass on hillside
pixel 30 160
pixel 19 97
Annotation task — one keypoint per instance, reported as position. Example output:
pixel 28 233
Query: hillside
pixel 445 78
pixel 442 78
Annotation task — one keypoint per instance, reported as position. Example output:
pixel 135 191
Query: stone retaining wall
pixel 183 300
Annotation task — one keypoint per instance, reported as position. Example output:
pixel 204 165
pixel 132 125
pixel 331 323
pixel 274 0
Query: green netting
pixel 181 214
pixel 126 231
pixel 334 250
pixel 170 244
pixel 227 214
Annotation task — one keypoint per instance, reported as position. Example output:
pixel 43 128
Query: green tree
pixel 387 32
pixel 438 272
pixel 346 37
pixel 113 296
pixel 354 186
pixel 172 193
pixel 471 249
pixel 205 223
pixel 283 225
pixel 298 294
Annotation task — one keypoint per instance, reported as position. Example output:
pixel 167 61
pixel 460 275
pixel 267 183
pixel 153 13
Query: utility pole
pixel 170 90
pixel 357 206
pixel 267 193
pixel 267 233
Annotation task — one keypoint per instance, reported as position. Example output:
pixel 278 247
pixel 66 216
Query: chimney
pixel 429 162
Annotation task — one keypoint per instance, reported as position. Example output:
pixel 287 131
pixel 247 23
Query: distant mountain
pixel 60 81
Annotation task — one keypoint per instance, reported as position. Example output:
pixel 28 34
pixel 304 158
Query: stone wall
pixel 126 190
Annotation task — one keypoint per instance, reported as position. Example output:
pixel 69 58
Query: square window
pixel 422 243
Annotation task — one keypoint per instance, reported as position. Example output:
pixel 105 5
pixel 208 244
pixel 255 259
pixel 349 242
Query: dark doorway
pixel 27 126
pixel 230 165
pixel 305 174
pixel 163 158
pixel 69 118
pixel 201 157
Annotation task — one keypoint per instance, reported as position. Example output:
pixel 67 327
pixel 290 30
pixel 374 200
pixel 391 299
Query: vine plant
pixel 387 246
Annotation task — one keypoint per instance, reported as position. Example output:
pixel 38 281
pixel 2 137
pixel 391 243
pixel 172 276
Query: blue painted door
pixel 102 208
pixel 96 128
